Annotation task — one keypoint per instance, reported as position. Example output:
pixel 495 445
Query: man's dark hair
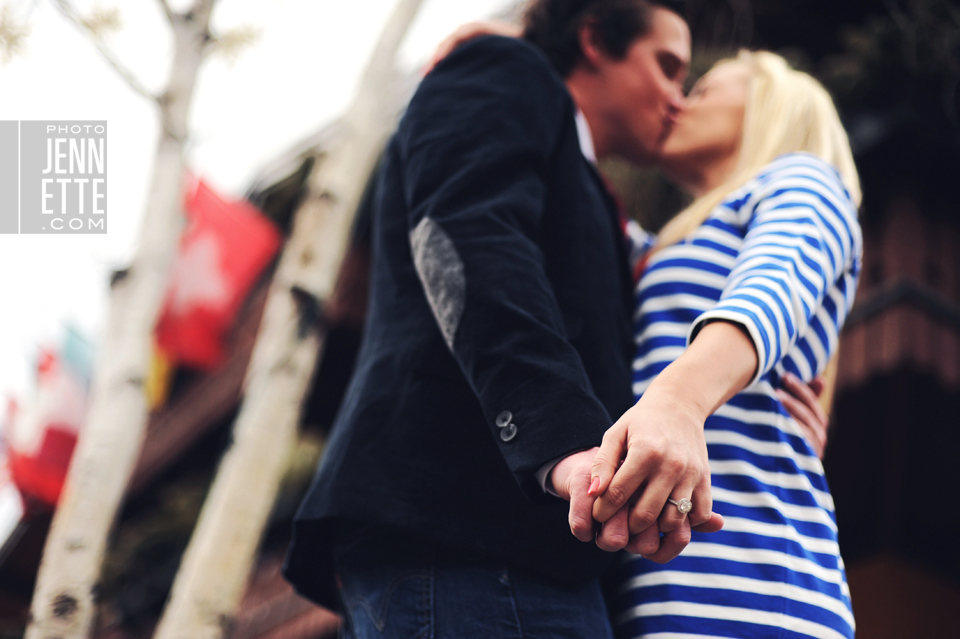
pixel 554 26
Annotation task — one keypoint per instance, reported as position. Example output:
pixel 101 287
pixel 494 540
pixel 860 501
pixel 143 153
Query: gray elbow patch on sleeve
pixel 441 271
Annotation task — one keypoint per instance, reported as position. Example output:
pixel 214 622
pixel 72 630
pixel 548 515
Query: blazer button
pixel 504 418
pixel 509 432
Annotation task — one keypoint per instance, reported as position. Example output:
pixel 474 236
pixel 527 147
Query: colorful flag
pixel 224 248
pixel 41 435
pixel 159 378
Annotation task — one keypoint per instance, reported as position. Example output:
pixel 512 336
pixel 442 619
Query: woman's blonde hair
pixel 786 111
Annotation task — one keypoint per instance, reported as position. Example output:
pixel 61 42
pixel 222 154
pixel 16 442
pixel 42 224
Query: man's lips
pixel 665 131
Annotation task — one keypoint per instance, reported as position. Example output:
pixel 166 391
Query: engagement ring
pixel 684 505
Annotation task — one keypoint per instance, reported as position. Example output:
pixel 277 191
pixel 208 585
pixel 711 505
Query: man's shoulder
pixel 489 83
pixel 516 50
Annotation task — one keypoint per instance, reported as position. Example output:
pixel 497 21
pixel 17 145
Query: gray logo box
pixel 9 177
pixel 63 176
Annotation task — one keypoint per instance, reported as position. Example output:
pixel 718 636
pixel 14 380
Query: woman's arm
pixel 719 363
pixel 469 31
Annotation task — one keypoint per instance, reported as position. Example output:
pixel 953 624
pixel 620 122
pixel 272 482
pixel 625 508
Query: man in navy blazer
pixel 497 348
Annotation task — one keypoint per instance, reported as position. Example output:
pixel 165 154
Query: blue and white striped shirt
pixel 781 256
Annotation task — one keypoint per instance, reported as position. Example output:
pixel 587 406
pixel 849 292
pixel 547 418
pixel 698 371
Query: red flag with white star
pixel 224 248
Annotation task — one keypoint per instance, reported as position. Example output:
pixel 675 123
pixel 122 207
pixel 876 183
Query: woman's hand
pixel 468 32
pixel 802 401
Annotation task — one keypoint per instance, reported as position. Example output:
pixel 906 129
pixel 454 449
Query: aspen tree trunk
pixel 63 603
pixel 218 560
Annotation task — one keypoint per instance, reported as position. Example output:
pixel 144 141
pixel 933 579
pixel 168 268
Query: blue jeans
pixel 394 586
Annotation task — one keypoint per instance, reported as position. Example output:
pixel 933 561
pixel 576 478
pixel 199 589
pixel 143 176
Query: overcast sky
pixel 297 76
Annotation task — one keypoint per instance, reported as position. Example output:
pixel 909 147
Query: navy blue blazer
pixel 498 336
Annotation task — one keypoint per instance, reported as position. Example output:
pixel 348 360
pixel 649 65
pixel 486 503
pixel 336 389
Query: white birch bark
pixel 218 559
pixel 63 605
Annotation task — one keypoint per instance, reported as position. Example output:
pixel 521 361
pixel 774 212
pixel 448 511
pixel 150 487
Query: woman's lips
pixel 666 129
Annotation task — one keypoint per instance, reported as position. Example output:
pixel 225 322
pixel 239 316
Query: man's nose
pixel 675 108
pixel 677 96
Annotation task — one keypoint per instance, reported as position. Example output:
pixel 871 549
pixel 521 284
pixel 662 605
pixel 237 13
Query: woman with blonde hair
pixel 772 246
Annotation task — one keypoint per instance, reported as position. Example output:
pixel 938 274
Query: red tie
pixel 618 202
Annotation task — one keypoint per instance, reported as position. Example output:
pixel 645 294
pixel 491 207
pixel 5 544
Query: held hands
pixel 664 456
pixel 656 451
pixel 573 479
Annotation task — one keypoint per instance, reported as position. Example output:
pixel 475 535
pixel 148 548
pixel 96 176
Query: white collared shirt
pixel 586 138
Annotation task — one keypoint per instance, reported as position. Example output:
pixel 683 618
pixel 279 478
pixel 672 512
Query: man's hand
pixel 571 480
pixel 802 401
pixel 652 546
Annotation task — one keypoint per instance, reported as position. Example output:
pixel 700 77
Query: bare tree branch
pixel 13 34
pixel 167 11
pixel 70 12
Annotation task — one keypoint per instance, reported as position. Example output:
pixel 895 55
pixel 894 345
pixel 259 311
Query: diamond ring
pixel 684 505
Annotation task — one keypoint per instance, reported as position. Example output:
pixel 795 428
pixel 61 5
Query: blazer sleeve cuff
pixel 540 423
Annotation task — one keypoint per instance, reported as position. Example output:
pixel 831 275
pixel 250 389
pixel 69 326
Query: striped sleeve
pixel 802 237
